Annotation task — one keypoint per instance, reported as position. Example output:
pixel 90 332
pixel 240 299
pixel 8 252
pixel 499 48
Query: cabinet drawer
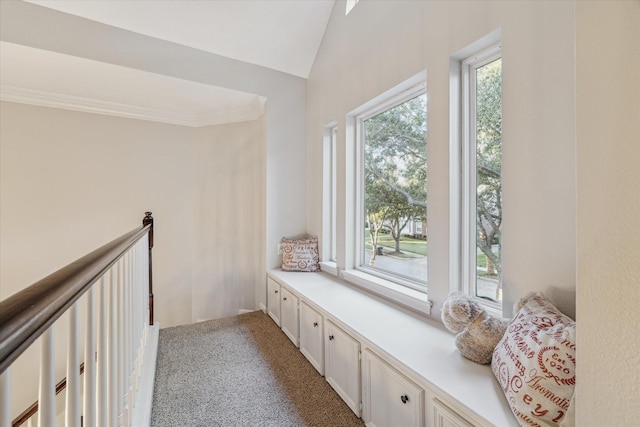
pixel 390 399
pixel 311 336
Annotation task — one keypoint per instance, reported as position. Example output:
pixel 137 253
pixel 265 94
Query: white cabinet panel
pixel 390 399
pixel 273 300
pixel 342 365
pixel 311 336
pixel 443 416
pixel 289 320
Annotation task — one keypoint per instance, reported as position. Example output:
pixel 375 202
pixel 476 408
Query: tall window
pixel 393 189
pixel 333 186
pixel 330 197
pixel 482 175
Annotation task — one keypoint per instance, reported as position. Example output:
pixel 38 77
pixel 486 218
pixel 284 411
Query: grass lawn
pixel 481 264
pixel 407 244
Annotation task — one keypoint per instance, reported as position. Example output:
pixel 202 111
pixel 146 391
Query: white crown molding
pixel 88 105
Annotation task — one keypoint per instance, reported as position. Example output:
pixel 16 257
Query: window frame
pixel 467 265
pixel 391 100
pixel 330 198
pixel 333 178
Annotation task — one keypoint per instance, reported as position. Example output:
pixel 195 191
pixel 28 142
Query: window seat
pixel 420 347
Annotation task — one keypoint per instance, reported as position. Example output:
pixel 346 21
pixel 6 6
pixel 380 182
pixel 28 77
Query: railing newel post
pixel 148 220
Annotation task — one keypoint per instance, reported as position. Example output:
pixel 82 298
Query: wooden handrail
pixel 27 314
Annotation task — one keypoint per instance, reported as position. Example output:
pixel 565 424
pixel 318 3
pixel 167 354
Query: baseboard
pixel 263 308
pixel 243 311
pixel 144 397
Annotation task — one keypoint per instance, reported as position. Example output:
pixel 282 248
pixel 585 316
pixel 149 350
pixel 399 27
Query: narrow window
pixel 481 229
pixel 393 188
pixel 333 190
pixel 330 198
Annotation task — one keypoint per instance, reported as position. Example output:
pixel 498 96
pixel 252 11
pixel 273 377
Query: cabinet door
pixel 342 365
pixel 443 416
pixel 311 336
pixel 273 300
pixel 390 399
pixel 289 315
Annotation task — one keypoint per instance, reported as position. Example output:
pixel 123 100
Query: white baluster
pixel 130 345
pixel 102 369
pixel 121 350
pixel 47 391
pixel 126 339
pixel 72 407
pixel 5 398
pixel 135 304
pixel 89 410
pixel 112 351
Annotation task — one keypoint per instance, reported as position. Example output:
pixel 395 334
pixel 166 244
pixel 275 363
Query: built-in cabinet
pixel 389 398
pixel 282 306
pixel 312 336
pixel 441 415
pixel 372 384
pixel 273 300
pixel 342 364
pixel 289 320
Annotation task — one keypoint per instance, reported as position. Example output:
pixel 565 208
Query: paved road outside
pixel 416 268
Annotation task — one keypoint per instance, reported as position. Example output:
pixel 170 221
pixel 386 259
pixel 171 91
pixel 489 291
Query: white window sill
pixel 329 267
pixel 410 298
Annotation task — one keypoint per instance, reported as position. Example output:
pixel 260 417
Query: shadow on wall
pixel 563 299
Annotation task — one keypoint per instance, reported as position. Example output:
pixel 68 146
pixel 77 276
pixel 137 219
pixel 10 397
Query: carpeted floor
pixel 240 371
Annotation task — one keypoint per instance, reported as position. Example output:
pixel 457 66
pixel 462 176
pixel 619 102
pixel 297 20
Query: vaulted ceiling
pixel 280 35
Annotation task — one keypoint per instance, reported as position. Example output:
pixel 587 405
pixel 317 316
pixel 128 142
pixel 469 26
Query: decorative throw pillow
pixel 535 363
pixel 300 254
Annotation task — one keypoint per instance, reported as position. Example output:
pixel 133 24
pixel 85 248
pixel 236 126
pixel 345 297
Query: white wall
pixel 229 226
pixel 608 212
pixel 380 44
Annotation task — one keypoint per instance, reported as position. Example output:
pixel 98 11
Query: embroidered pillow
pixel 300 254
pixel 535 363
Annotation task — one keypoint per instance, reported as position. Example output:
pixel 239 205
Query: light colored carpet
pixel 240 371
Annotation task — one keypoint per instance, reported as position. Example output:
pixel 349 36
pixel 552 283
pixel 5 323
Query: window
pixel 350 4
pixel 333 190
pixel 329 241
pixel 391 231
pixel 481 176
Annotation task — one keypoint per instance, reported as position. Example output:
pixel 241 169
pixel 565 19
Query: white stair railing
pixel 107 388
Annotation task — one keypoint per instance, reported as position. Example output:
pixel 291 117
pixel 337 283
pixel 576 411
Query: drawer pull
pixel 276 291
pixel 404 398
pixel 284 298
pixel 315 324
